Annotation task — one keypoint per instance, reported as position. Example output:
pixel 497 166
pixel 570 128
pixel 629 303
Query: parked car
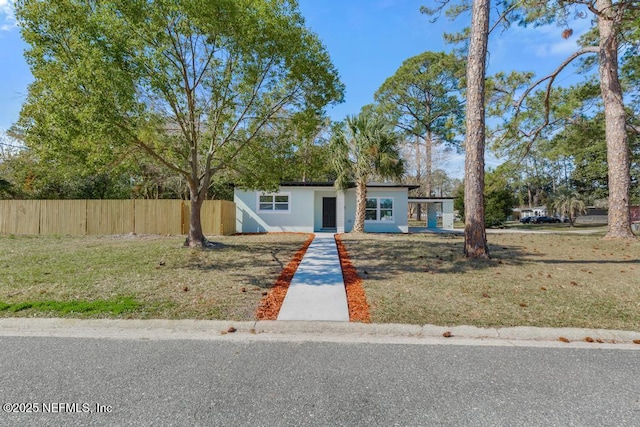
pixel 526 219
pixel 545 220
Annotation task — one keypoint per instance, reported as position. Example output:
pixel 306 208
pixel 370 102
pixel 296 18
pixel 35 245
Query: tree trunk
pixel 615 118
pixel 419 172
pixel 428 170
pixel 475 237
pixel 196 238
pixel 361 205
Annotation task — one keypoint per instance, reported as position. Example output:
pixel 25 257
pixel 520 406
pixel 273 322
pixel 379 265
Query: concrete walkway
pixel 317 289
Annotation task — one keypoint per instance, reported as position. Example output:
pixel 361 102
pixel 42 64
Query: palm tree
pixel 362 148
pixel 569 204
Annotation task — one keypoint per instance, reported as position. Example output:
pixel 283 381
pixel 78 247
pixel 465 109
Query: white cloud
pixel 547 41
pixel 7 15
pixel 554 45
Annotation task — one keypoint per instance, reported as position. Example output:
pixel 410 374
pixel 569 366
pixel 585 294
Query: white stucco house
pixel 317 206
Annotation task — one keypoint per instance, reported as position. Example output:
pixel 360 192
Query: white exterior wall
pixel 447 215
pixel 349 208
pixel 305 211
pixel 340 211
pixel 299 218
pixel 400 222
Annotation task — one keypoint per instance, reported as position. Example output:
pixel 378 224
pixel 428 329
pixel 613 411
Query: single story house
pixel 531 212
pixel 317 206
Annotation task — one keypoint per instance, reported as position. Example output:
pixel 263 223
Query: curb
pixel 301 331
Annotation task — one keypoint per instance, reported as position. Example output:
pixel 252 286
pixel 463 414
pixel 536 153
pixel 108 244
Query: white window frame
pixel 273 202
pixel 378 209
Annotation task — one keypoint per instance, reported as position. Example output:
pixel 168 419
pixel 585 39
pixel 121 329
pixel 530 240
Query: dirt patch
pixel 356 298
pixel 269 306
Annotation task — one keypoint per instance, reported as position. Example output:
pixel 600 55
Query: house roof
pixel 306 184
pixel 429 199
pixel 535 208
pixel 351 184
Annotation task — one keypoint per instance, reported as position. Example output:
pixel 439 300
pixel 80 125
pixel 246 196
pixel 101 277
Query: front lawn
pixel 140 276
pixel 556 280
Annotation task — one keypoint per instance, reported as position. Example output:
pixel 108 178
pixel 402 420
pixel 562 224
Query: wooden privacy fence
pixel 101 217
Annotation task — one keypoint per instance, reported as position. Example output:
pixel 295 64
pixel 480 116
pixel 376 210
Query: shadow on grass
pixel 561 227
pixel 380 257
pixel 237 260
pixel 592 261
pixel 439 254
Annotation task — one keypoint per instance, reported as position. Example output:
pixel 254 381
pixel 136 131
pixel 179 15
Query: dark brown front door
pixel 328 212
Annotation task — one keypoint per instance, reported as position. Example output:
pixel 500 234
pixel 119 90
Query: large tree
pixel 612 22
pixel 424 100
pixel 362 148
pixel 194 85
pixel 615 25
pixel 475 41
pixel 498 198
pixel 475 235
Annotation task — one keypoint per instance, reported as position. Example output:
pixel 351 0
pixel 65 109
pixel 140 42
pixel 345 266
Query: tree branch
pixel 633 128
pixel 503 17
pixel 551 77
pixel 254 96
pixel 532 136
pixel 153 153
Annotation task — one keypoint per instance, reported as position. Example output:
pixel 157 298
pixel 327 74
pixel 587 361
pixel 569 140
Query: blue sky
pixel 367 40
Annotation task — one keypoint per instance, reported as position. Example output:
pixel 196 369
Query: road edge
pixel 303 331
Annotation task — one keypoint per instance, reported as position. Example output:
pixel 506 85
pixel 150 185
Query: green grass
pixel 555 280
pixel 114 307
pixel 557 227
pixel 140 276
pixel 532 279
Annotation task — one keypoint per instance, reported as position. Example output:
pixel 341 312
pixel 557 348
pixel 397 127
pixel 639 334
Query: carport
pixel 444 205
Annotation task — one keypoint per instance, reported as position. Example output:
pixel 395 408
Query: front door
pixel 328 212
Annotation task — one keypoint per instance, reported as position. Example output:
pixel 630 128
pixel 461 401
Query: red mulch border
pixel 356 298
pixel 270 304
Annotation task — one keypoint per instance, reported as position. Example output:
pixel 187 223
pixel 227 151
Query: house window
pixel 379 209
pixel 273 203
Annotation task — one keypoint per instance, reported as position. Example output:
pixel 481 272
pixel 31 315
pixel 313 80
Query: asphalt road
pixel 83 381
